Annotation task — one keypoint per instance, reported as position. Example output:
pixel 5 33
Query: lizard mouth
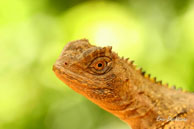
pixel 70 78
pixel 64 74
pixel 73 80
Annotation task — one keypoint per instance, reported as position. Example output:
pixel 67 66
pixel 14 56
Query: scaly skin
pixel 117 86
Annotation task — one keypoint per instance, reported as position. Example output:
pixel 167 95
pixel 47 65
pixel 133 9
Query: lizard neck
pixel 155 104
pixel 144 103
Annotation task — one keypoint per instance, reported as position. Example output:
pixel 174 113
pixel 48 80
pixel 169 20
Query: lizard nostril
pixel 66 63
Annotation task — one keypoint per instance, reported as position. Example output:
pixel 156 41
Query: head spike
pixel 109 48
pixel 116 54
pixel 143 73
pixel 132 62
pixel 154 79
pixel 148 76
pixel 166 85
pixel 159 82
pixel 173 87
pixel 140 70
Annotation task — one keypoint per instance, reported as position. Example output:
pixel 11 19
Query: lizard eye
pixel 100 65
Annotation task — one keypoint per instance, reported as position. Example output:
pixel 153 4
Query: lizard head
pixel 90 70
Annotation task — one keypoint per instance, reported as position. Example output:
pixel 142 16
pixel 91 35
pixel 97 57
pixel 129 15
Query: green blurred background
pixel 157 34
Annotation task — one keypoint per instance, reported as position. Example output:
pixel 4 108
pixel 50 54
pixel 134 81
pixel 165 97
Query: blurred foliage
pixel 158 35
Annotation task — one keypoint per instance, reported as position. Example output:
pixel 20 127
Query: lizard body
pixel 117 86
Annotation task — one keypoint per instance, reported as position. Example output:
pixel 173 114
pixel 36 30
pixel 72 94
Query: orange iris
pixel 99 65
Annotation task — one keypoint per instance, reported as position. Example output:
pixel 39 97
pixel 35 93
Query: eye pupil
pixel 100 65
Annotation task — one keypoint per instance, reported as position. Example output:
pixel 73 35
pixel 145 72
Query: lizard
pixel 116 85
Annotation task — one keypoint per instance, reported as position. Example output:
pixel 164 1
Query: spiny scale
pixel 148 76
pixel 109 48
pixel 127 59
pixel 159 82
pixel 154 79
pixel 173 87
pixel 143 73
